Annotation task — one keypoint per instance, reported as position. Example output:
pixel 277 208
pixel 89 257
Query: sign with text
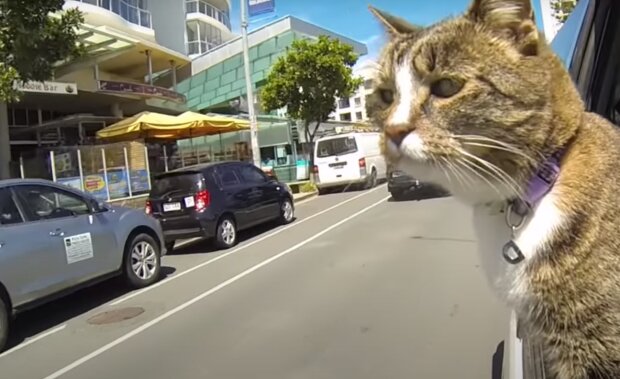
pixel 54 88
pixel 140 90
pixel 256 7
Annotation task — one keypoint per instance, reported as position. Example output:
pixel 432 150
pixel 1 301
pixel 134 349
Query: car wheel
pixel 226 234
pixel 142 261
pixel 371 182
pixel 287 211
pixel 170 246
pixel 398 195
pixel 322 191
pixel 4 324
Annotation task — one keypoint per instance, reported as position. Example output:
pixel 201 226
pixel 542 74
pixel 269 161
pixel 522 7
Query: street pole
pixel 248 84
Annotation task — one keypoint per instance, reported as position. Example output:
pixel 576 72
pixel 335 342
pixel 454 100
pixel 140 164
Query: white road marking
pixel 33 340
pixel 205 294
pixel 211 261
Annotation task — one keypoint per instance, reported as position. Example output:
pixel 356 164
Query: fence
pixel 108 172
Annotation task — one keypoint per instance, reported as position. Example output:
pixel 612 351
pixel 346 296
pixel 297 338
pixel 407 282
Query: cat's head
pixel 470 103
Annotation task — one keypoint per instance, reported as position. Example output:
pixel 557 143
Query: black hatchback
pixel 216 200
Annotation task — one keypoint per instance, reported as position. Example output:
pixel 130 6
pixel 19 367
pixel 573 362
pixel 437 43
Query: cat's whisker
pixel 472 138
pixel 468 165
pixel 496 172
pixel 513 190
pixel 502 148
pixel 456 172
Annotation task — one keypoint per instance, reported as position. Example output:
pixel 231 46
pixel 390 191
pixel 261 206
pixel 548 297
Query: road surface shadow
pixel 349 188
pixel 57 312
pixel 422 194
pixel 206 246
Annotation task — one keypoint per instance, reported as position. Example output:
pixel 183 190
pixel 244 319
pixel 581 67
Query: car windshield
pixel 336 146
pixel 180 182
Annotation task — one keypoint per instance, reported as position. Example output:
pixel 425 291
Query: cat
pixel 480 105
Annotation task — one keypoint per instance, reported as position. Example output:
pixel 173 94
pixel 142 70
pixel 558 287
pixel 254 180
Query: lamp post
pixel 248 84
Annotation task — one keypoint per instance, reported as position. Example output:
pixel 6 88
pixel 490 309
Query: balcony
pixel 125 9
pixel 200 47
pixel 199 6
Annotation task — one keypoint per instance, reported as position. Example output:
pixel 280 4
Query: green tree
pixel 563 8
pixel 308 79
pixel 34 36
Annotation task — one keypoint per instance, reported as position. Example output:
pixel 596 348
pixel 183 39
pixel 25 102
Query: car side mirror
pixel 99 206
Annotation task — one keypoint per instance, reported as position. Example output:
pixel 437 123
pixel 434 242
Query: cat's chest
pixel 493 232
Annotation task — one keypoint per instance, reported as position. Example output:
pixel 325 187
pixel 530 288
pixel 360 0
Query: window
pixel 358 116
pixel 228 177
pixel 344 103
pixel 345 117
pixel 358 102
pixel 48 203
pixel 336 146
pixel 368 84
pixel 9 214
pixel 251 174
pixel 175 182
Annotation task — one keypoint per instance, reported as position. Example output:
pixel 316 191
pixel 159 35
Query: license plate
pixel 172 207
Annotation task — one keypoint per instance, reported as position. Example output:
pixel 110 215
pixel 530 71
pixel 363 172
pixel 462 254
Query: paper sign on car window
pixel 78 248
pixel 189 202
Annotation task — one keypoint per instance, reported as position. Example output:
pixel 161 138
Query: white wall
pixel 366 71
pixel 168 17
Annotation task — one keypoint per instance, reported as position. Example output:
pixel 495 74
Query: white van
pixel 348 159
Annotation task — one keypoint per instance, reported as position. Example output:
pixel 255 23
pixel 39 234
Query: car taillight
pixel 362 162
pixel 148 208
pixel 202 200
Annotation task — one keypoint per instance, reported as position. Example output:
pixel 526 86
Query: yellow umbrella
pixel 207 125
pixel 148 125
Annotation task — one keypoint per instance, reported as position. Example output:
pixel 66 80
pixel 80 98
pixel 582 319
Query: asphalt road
pixel 357 287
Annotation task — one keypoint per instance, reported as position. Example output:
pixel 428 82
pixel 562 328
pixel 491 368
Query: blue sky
pixel 352 18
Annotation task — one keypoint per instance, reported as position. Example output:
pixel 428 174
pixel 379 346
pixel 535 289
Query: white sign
pixel 78 248
pixel 57 88
pixel 189 202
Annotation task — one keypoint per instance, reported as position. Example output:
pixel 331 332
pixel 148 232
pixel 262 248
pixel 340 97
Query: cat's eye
pixel 387 96
pixel 446 87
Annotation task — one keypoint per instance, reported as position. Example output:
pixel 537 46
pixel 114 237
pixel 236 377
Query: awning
pixel 157 127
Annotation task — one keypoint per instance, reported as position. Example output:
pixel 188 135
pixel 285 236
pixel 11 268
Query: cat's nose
pixel 397 133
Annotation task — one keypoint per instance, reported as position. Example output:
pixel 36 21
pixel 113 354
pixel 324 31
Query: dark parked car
pixel 216 200
pixel 402 186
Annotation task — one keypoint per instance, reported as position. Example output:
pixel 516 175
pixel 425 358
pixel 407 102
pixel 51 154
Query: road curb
pixel 304 196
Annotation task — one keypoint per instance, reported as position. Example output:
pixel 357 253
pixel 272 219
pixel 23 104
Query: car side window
pixel 228 177
pixel 9 213
pixel 251 174
pixel 49 203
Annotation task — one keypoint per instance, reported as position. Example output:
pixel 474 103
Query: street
pixel 359 286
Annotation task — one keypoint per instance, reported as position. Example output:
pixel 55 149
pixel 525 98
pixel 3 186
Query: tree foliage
pixel 32 41
pixel 308 79
pixel 563 8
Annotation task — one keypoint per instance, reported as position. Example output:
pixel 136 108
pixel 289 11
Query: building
pixel 137 51
pixel 353 108
pixel 550 25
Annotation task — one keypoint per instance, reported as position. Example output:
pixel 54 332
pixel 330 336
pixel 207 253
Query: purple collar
pixel 540 184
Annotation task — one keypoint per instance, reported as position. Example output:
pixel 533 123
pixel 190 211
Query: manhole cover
pixel 117 315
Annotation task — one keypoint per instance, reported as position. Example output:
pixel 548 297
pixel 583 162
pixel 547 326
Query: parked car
pixel 55 240
pixel 351 158
pixel 216 200
pixel 402 186
pixel 588 45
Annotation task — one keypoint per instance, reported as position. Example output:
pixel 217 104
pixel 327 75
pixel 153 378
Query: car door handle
pixel 57 233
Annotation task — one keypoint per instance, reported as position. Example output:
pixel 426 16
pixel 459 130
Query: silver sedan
pixel 55 240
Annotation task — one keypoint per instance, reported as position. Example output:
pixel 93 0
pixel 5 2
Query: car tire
pixel 142 264
pixel 170 246
pixel 4 324
pixel 371 182
pixel 322 191
pixel 287 211
pixel 398 195
pixel 226 233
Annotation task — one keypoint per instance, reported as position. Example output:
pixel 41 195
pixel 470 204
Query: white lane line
pixel 193 240
pixel 33 340
pixel 205 294
pixel 211 261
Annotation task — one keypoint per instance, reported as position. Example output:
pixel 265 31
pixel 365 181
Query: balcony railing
pixel 199 6
pixel 127 11
pixel 200 47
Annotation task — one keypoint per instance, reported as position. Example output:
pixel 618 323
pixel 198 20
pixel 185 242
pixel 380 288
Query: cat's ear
pixel 512 19
pixel 394 25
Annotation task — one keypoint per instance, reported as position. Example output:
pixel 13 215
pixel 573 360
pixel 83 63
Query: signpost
pixel 257 7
